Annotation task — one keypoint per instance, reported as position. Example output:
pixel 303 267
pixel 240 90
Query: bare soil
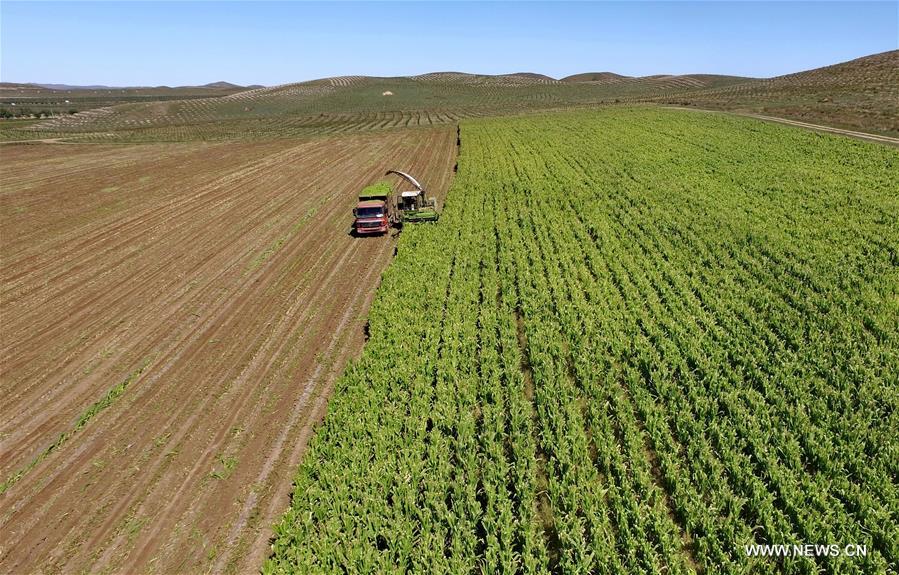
pixel 220 283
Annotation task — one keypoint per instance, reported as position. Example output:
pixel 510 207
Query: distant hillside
pixel 64 98
pixel 223 85
pixel 595 77
pixel 328 103
pixel 531 76
pixel 25 88
pixel 862 94
pixel 68 87
pixel 16 88
pixel 518 78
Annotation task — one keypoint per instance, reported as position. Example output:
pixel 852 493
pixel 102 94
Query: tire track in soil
pixel 17 330
pixel 137 490
pixel 246 562
pixel 107 303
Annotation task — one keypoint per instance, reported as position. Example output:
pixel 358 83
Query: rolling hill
pixel 61 98
pixel 347 103
pixel 606 77
pixel 26 89
pixel 861 94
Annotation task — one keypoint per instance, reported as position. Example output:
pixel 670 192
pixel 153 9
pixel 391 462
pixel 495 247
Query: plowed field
pixel 173 319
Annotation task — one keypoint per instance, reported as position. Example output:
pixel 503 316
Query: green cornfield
pixel 637 341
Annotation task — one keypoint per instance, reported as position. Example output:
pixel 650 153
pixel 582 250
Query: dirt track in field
pixel 213 291
pixel 816 127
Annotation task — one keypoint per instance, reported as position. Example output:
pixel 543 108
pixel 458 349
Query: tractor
pixel 376 210
pixel 414 206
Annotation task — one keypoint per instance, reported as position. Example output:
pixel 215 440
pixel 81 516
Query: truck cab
pixel 372 212
pixel 371 217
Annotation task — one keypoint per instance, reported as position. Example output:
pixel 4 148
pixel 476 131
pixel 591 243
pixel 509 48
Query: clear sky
pixel 181 43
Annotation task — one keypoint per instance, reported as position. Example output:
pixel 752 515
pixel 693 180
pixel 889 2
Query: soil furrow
pixel 245 295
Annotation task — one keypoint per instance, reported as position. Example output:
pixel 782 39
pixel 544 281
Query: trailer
pixel 379 207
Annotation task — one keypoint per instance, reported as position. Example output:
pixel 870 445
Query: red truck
pixel 373 212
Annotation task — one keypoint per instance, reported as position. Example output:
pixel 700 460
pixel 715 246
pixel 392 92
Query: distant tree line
pixel 6 113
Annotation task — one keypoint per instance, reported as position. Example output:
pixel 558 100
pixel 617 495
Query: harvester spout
pixel 408 178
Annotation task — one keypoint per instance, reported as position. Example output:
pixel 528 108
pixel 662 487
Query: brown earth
pixel 211 293
pixel 859 95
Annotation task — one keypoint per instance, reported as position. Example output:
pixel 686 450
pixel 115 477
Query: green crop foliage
pixel 636 341
pixel 378 190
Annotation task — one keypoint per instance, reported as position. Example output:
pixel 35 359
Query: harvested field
pixel 174 317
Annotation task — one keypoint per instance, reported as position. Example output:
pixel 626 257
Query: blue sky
pixel 179 43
